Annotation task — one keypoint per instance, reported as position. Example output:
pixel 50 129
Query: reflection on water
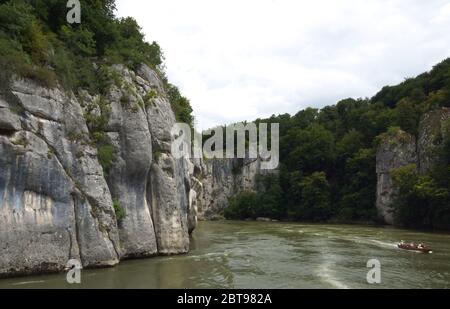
pixel 276 255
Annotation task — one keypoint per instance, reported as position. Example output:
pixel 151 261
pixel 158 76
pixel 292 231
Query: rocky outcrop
pixel 431 131
pixel 398 149
pixel 224 178
pixel 195 192
pixel 56 201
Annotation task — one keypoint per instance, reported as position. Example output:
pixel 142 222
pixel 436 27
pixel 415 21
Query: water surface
pixel 276 255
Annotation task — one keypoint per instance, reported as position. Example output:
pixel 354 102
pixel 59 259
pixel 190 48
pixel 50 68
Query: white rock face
pixel 394 152
pixel 224 178
pixel 53 206
pixel 56 202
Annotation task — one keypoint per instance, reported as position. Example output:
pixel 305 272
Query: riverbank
pixel 338 222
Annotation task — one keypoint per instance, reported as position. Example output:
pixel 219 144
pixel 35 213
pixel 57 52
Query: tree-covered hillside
pixel 37 42
pixel 328 159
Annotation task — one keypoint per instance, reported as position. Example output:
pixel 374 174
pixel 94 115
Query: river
pixel 276 255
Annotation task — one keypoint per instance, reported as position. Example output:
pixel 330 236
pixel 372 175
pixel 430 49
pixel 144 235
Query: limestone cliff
pixel 398 149
pixel 395 150
pixel 56 201
pixel 222 179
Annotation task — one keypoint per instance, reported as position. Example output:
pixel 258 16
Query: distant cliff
pixel 90 177
pixel 222 179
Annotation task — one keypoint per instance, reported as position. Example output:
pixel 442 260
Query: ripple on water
pixel 276 255
pixel 328 276
pixel 27 282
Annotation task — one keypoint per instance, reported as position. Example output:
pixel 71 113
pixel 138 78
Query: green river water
pixel 276 255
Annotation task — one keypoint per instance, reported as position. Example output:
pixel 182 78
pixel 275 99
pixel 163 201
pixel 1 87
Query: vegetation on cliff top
pixel 37 42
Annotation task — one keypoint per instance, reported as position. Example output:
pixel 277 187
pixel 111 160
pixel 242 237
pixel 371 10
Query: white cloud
pixel 243 59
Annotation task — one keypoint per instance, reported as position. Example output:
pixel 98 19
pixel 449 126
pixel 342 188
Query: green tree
pixel 350 143
pixel 420 201
pixel 269 197
pixel 312 149
pixel 315 198
pixel 408 115
pixel 180 105
pixel 242 206
pixel 358 187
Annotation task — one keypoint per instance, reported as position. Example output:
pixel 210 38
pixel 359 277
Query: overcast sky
pixel 243 59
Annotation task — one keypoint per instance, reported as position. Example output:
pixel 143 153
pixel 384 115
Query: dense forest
pixel 328 157
pixel 37 42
